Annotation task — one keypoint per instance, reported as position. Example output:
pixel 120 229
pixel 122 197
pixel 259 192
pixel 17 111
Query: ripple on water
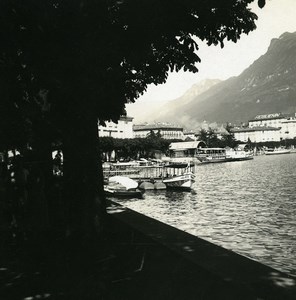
pixel 248 207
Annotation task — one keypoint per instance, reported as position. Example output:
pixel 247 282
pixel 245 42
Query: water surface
pixel 248 207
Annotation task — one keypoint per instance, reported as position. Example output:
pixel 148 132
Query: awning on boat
pixel 242 147
pixel 125 181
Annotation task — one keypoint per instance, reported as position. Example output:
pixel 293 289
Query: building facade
pixel 268 120
pixel 288 128
pixel 190 135
pixel 257 134
pixel 122 130
pixel 267 128
pixel 167 131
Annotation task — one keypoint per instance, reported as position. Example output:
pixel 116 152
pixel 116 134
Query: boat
pixel 211 155
pixel 134 169
pixel 182 181
pixel 238 155
pixel 122 187
pixel 275 151
pixel 220 155
pixel 120 169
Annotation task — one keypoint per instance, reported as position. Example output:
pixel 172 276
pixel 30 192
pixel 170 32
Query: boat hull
pixel 277 152
pixel 123 194
pixel 239 158
pixel 234 157
pixel 209 160
pixel 183 182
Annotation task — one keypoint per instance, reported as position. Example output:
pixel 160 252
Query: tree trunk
pixel 41 175
pixel 83 178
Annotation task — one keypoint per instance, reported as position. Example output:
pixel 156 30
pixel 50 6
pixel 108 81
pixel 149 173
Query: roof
pixel 255 128
pixel 187 145
pixel 126 118
pixel 275 116
pixel 289 120
pixel 213 149
pixel 156 127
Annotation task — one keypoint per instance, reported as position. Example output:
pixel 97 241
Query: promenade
pixel 138 258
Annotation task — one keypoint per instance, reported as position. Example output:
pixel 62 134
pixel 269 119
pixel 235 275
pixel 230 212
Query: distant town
pixel 273 127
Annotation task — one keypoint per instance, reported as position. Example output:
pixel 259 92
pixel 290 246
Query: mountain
pixel 267 86
pixel 167 112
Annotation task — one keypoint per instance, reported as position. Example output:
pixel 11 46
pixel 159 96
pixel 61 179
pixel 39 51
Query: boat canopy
pixel 242 147
pixel 179 165
pixel 125 181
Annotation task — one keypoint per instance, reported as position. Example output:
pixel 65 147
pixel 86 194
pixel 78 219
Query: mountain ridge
pixel 268 85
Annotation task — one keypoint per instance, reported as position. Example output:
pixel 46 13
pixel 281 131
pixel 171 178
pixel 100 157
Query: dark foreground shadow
pixel 137 258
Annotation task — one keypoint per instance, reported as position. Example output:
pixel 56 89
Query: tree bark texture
pixel 83 178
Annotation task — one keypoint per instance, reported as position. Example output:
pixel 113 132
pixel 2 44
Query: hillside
pixel 168 111
pixel 267 86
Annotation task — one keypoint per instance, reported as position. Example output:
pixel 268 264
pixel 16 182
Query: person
pixel 57 163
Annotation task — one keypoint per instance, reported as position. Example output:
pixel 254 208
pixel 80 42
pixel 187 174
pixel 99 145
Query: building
pixel 268 128
pixel 185 149
pixel 288 128
pixel 167 131
pixel 268 120
pixel 257 134
pixel 189 135
pixel 122 130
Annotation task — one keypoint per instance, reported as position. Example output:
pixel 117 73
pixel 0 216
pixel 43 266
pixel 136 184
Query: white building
pixel 167 131
pixel 189 135
pixel 288 128
pixel 268 120
pixel 122 130
pixel 265 128
pixel 257 134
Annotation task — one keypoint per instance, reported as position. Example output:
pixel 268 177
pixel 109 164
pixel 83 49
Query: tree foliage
pixel 228 138
pixel 136 148
pixel 210 137
pixel 64 64
pixel 79 50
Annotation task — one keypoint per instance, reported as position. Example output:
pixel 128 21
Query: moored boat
pixel 183 181
pixel 179 176
pixel 220 155
pixel 238 155
pixel 277 151
pixel 211 155
pixel 122 187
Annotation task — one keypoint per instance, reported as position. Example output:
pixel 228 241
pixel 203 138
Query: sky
pixel 277 17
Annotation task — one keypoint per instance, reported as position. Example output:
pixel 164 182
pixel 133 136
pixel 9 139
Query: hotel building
pixel 122 130
pixel 267 128
pixel 167 131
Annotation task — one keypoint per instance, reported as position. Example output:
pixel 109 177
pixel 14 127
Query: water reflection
pixel 248 207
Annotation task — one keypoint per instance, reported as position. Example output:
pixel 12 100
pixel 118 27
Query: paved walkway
pixel 139 258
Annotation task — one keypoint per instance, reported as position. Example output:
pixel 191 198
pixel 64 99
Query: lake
pixel 248 207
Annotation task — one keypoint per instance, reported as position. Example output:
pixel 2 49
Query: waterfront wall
pixel 167 263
